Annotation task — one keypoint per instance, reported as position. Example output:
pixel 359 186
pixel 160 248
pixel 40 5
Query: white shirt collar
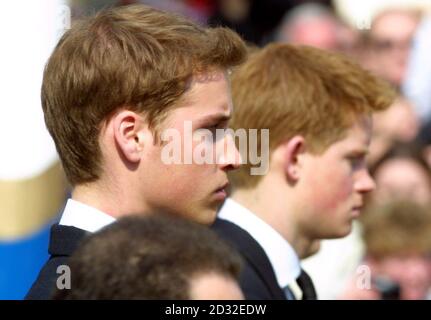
pixel 282 256
pixel 82 216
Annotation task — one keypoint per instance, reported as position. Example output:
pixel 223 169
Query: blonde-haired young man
pixel 317 106
pixel 113 84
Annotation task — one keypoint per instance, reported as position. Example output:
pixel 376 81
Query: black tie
pixel 306 284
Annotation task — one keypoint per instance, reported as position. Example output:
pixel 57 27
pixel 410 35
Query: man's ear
pixel 129 131
pixel 293 149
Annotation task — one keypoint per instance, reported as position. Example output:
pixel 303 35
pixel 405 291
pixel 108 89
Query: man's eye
pixel 357 161
pixel 221 125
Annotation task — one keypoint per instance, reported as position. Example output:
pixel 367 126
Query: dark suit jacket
pixel 258 280
pixel 63 242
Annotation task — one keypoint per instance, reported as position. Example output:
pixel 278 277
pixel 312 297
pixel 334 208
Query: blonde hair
pixel 135 57
pixel 298 90
pixel 397 228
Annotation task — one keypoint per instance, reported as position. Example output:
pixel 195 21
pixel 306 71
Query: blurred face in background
pixel 313 24
pixel 391 36
pixel 402 178
pixel 410 272
pixel 398 123
pixel 319 32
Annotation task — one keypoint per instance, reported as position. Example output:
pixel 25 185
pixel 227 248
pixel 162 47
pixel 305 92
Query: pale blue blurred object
pixel 417 85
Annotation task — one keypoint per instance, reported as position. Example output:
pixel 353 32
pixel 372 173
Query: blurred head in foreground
pixel 153 257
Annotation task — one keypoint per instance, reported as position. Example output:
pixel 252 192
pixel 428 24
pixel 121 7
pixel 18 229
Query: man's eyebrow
pixel 358 152
pixel 215 118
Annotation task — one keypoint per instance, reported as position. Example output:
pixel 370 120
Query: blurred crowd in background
pixel 392 240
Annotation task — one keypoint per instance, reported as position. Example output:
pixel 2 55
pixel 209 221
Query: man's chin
pixel 345 232
pixel 205 216
pixel 208 221
pixel 339 233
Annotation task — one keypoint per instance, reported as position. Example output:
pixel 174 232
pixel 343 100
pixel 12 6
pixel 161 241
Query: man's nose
pixel 230 158
pixel 365 182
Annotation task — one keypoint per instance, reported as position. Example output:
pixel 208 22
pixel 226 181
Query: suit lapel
pixel 253 253
pixel 65 239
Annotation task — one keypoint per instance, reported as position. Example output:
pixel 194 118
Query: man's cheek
pixel 331 192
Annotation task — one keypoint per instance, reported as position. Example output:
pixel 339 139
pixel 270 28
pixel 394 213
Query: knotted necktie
pixel 305 283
